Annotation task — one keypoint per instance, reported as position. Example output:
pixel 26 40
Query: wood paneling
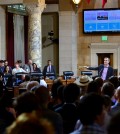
pixel 52 1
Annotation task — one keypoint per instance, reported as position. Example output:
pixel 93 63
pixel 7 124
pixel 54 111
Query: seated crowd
pixel 86 106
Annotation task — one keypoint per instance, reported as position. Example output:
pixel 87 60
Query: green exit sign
pixel 104 38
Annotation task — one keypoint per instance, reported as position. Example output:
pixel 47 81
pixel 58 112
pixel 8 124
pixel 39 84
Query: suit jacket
pixel 100 68
pixel 27 68
pixel 52 70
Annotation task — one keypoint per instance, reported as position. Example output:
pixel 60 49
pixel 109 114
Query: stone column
pixel 34 31
pixel 68 42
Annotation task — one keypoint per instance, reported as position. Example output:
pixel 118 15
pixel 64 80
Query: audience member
pixel 25 83
pixel 32 84
pixel 43 96
pixel 25 103
pixel 116 107
pixel 108 89
pixel 93 87
pixel 115 81
pixel 83 82
pixel 7 113
pixel 114 124
pixel 54 96
pixel 60 97
pixel 99 81
pixel 92 114
pixel 29 123
pixel 68 110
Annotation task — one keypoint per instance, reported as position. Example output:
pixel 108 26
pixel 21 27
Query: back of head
pixel 114 80
pixel 32 84
pixel 25 103
pixel 71 93
pixel 42 94
pixel 117 93
pixel 114 124
pixel 29 123
pixel 91 105
pixel 108 89
pixel 55 85
pixel 93 87
pixel 99 81
pixel 60 90
pixel 27 78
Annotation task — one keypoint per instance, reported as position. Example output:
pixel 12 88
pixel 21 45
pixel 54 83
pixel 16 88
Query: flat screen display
pixel 101 20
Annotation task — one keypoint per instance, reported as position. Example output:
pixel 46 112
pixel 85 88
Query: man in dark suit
pixel 49 70
pixel 104 70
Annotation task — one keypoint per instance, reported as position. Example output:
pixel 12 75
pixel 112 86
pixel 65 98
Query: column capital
pixel 35 7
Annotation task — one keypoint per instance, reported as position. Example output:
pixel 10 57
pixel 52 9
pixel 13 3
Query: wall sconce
pixel 51 37
pixel 76 2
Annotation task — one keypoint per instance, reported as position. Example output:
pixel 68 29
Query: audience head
pixel 32 84
pixel 99 81
pixel 107 102
pixel 27 78
pixel 108 89
pixel 60 90
pixel 42 94
pixel 117 93
pixel 29 123
pixel 1 88
pixel 114 80
pixel 114 124
pixel 93 87
pixel 26 103
pixel 91 109
pixel 71 93
pixel 83 82
pixel 55 85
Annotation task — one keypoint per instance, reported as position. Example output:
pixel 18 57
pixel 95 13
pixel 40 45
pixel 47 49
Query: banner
pixel 103 3
pixel 88 1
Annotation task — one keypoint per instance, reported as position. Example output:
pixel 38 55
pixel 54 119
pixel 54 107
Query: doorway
pixel 101 57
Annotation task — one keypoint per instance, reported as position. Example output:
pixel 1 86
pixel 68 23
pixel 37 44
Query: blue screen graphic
pixel 101 20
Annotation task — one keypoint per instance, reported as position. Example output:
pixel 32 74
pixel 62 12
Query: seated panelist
pixel 17 69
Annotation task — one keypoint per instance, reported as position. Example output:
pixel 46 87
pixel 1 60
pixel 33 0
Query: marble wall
pixel 2 33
